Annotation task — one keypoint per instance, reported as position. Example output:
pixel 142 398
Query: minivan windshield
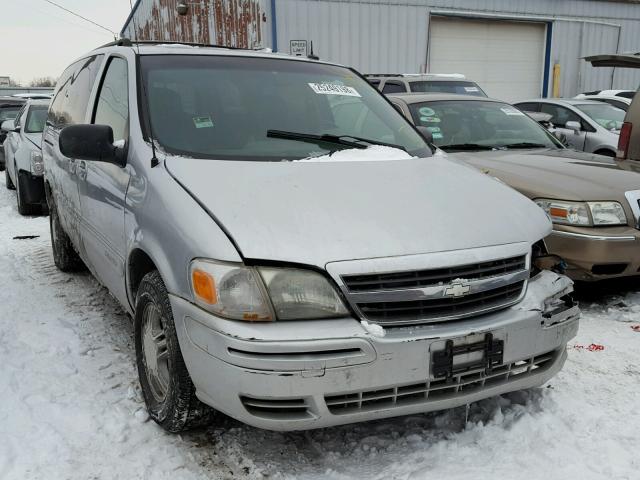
pixel 605 115
pixel 447 86
pixel 252 108
pixel 36 119
pixel 475 125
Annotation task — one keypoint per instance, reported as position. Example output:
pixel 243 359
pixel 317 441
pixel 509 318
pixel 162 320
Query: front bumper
pixel 597 253
pixel 312 374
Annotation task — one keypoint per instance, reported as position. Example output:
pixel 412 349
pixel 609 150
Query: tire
pixel 24 208
pixel 64 255
pixel 9 183
pixel 168 391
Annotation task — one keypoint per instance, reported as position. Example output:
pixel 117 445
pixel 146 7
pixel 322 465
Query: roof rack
pixel 127 42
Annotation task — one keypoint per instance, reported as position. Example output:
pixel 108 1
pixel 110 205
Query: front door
pixel 103 186
pixel 69 107
pixel 559 117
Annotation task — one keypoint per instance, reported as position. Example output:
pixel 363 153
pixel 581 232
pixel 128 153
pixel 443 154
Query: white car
pixel 23 156
pixel 609 96
pixel 587 125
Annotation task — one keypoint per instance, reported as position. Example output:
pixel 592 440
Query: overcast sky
pixel 40 40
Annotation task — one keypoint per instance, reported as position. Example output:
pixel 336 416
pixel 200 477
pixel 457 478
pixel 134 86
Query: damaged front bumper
pixel 300 375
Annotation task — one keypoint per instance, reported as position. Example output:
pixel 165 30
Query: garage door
pixel 505 58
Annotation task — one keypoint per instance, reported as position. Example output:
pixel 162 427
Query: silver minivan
pixel 292 251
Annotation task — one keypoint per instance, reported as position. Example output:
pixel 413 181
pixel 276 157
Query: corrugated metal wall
pixel 238 23
pixel 392 35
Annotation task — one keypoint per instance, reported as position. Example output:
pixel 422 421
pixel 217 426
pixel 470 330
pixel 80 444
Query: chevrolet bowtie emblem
pixel 457 289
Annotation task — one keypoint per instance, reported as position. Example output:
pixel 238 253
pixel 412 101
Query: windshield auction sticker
pixel 202 122
pixel 512 111
pixel 334 89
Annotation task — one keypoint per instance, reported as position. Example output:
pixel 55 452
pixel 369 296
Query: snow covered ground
pixel 70 407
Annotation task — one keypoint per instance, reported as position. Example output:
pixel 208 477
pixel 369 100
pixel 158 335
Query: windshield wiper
pixel 358 142
pixel 522 145
pixel 465 147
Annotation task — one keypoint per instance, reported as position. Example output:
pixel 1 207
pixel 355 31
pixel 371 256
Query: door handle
pixel 81 170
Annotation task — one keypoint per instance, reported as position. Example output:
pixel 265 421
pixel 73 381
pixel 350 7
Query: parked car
pixel 589 126
pixel 9 108
pixel 620 102
pixel 389 83
pixel 592 202
pixel 23 154
pixel 293 271
pixel 628 151
pixel 628 94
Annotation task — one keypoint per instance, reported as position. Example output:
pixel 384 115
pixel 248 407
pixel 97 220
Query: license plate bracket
pixel 442 361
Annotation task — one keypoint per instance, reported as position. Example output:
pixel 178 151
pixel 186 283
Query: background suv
pixel 424 83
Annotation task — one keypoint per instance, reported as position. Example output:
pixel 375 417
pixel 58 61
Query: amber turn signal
pixel 204 286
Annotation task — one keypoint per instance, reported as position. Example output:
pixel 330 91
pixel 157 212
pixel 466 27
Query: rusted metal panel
pixel 236 23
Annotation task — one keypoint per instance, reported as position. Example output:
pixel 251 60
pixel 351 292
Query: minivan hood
pixel 560 174
pixel 316 213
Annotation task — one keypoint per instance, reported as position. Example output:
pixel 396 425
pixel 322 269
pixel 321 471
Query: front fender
pixel 166 223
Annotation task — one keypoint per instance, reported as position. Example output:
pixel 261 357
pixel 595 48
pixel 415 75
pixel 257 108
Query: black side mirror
pixel 91 142
pixel 426 134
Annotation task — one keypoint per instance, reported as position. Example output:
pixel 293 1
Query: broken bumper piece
pixel 299 375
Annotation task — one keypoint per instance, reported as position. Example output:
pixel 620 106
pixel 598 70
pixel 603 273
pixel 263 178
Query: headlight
pixel 565 213
pixel 37 166
pixel 301 294
pixel 263 294
pixel 607 213
pixel 583 213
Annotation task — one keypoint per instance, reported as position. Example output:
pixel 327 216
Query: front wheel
pixel 167 388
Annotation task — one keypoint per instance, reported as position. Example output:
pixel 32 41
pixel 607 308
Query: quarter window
pixel 113 100
pixel 70 104
pixel 394 87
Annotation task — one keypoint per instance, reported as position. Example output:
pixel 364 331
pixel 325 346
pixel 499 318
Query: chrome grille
pixel 425 278
pixel 383 312
pixel 439 294
pixel 435 390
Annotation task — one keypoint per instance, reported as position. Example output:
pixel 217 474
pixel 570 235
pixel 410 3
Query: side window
pixel 528 107
pixel 375 83
pixel 560 115
pixel 70 105
pixel 55 109
pixel 112 107
pixel 616 103
pixel 394 87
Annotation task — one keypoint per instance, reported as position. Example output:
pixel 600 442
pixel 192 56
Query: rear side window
pixel 375 83
pixel 626 94
pixel 69 107
pixel 447 86
pixel 113 99
pixel 527 107
pixel 394 87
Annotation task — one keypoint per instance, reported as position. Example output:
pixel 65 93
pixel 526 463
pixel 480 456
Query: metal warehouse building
pixel 513 48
